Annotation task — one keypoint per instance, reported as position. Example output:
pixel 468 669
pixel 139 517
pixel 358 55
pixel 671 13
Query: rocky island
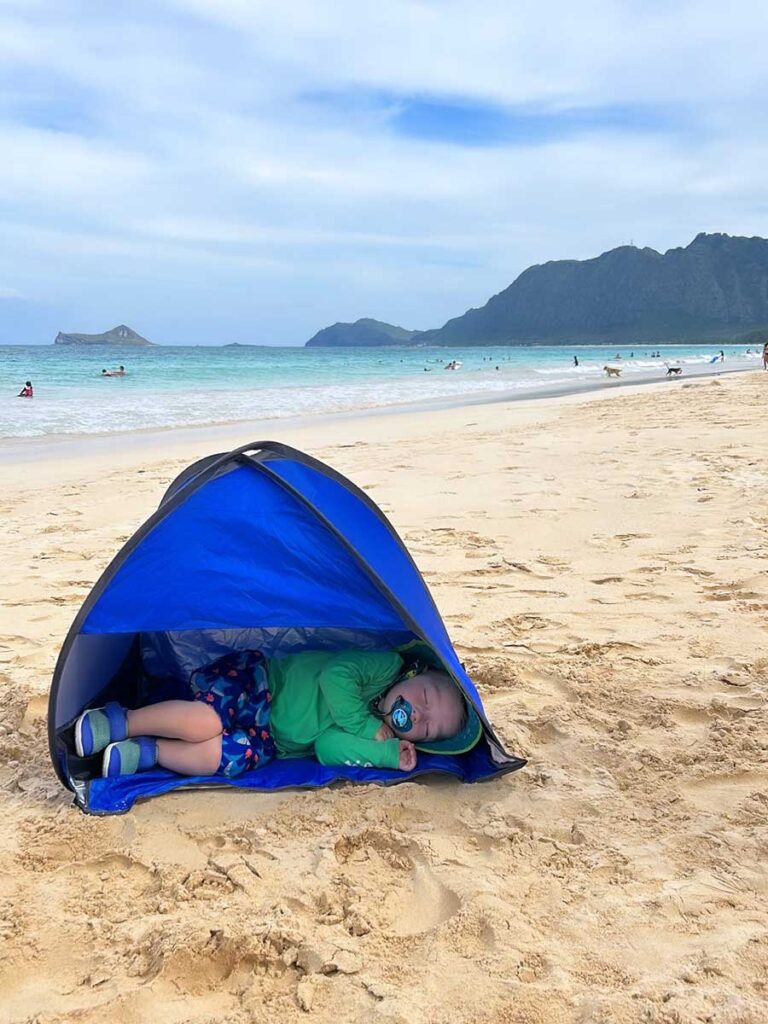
pixel 714 288
pixel 118 336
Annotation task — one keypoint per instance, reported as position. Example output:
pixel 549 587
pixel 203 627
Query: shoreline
pixel 68 445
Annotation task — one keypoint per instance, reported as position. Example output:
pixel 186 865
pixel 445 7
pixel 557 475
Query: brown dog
pixel 612 371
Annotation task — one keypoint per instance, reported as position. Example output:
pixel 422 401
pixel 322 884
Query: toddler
pixel 351 707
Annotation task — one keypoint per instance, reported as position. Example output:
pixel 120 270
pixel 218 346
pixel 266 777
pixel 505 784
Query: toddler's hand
pixel 407 756
pixel 384 732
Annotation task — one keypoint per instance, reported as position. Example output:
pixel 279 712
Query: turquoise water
pixel 176 386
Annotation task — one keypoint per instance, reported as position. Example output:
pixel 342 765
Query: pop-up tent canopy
pixel 260 548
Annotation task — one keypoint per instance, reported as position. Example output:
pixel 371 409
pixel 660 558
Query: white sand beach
pixel 601 565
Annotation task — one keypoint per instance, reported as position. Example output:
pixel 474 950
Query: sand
pixel 601 564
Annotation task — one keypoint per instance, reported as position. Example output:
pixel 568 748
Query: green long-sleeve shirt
pixel 320 706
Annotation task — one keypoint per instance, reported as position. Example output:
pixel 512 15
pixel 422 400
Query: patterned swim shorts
pixel 235 686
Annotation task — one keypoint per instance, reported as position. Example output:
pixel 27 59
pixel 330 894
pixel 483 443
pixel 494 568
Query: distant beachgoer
pixel 119 372
pixel 26 391
pixel 105 374
pixel 575 360
pixel 722 356
pixel 765 356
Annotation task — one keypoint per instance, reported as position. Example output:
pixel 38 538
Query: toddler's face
pixel 437 707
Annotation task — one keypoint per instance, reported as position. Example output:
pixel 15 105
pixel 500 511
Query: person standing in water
pixel 26 391
pixel 575 360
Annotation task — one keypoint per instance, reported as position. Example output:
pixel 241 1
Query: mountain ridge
pixel 716 287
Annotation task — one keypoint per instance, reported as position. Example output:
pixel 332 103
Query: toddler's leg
pixel 187 720
pixel 190 758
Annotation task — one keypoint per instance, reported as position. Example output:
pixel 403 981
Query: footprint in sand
pixel 421 906
pixel 554 562
pixel 719 794
pixel 465 538
pixel 522 567
pixel 729 592
pixel 518 625
pixel 394 886
pixel 544 688
pixel 544 731
pixel 543 593
pixel 691 716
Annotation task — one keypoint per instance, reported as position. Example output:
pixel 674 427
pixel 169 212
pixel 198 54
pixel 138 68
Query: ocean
pixel 184 386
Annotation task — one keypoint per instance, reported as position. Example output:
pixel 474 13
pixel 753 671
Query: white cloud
pixel 175 157
pixel 595 51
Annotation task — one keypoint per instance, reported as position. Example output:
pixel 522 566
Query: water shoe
pixel 97 727
pixel 129 756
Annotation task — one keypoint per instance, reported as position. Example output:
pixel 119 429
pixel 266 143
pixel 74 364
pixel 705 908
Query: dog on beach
pixel 612 371
pixel 674 370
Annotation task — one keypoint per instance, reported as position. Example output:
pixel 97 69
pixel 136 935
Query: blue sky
pixel 210 172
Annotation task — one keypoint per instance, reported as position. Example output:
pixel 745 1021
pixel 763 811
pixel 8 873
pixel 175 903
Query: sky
pixel 215 171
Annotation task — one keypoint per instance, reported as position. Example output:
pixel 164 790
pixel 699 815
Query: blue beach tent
pixel 263 547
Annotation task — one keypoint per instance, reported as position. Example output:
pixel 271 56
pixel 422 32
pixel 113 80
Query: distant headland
pixel 365 332
pixel 120 335
pixel 716 288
